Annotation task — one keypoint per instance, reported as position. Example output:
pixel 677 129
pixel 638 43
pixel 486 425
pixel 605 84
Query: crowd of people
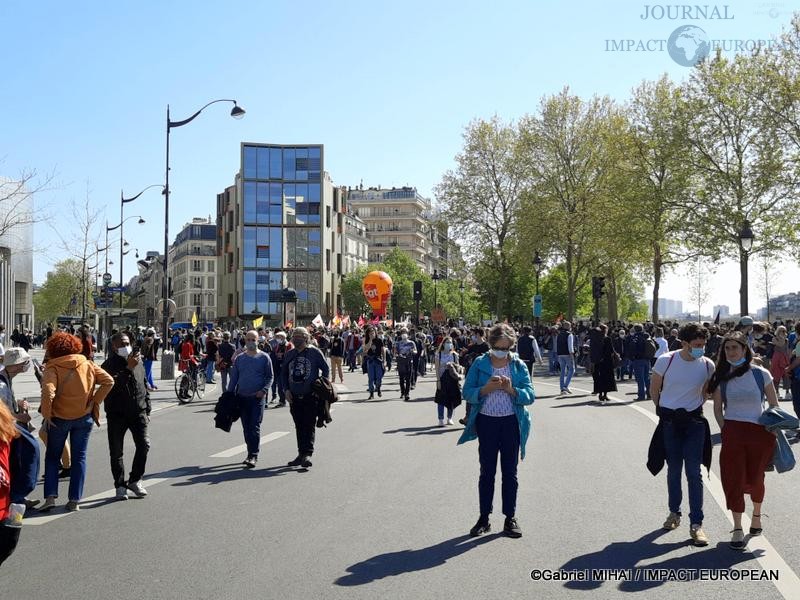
pixel 742 367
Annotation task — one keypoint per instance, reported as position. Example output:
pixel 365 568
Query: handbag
pixel 783 459
pixel 616 359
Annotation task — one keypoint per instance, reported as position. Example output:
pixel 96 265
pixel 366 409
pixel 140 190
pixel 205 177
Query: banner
pixel 194 319
pixel 257 322
pixel 318 322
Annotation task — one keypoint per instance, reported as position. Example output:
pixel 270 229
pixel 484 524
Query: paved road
pixel 385 510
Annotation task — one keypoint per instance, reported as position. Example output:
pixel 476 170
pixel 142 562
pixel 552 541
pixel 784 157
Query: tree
pixel 698 274
pixel 17 199
pixel 481 199
pixel 60 294
pixel 741 170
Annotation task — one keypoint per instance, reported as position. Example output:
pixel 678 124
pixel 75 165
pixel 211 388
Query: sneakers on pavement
pixel 295 462
pixel 137 488
pixel 306 462
pixel 250 462
pixel 441 422
pixel 672 522
pixel 49 504
pixel 122 493
pixel 450 421
pixel 698 536
pixel 72 506
pixel 481 527
pixel 511 529
pixel 462 421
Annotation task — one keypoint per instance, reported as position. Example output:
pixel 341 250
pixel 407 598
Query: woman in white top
pixel 663 345
pixel 445 355
pixel 739 388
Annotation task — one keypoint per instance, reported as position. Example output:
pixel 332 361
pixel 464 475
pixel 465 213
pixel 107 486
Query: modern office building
pixel 16 256
pixel 280 227
pixel 193 271
pixel 401 218
pixel 666 308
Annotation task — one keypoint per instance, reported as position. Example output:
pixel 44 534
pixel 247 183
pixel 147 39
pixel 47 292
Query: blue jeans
pixel 78 431
pixel 498 435
pixel 252 412
pixel 625 369
pixel 440 411
pixel 567 365
pixel 375 374
pixel 552 365
pixel 148 372
pixel 641 371
pixel 210 371
pixel 684 449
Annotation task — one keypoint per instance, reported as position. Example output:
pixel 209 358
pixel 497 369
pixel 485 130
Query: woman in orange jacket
pixel 70 406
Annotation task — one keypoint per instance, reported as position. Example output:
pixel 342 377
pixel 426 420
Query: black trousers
pixel 405 374
pixel 117 426
pixel 9 537
pixel 304 415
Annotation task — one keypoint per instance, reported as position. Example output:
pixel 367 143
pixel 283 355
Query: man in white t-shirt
pixel 678 388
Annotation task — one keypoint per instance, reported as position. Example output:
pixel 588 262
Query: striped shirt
pixel 499 403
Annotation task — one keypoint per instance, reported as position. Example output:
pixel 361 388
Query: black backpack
pixel 650 348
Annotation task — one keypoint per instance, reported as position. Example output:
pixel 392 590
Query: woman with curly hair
pixel 70 403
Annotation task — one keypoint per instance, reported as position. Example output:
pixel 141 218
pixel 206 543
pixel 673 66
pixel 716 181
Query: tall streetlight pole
pixel 746 238
pixel 436 277
pixel 122 243
pixel 122 202
pixel 237 113
pixel 537 264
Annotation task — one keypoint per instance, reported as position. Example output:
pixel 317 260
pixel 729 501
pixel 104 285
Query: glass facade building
pixel 276 230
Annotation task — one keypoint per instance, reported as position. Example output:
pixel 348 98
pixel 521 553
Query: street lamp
pixel 537 265
pixel 436 277
pixel 123 243
pixel 237 113
pixel 746 238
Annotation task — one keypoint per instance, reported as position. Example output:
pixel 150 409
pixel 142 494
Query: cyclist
pixel 188 360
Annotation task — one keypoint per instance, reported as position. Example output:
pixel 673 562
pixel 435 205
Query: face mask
pixel 736 363
pixel 251 345
pixel 499 353
pixel 124 352
pixel 403 336
pixel 474 339
pixel 281 341
pixel 447 346
pixel 698 352
pixel 261 339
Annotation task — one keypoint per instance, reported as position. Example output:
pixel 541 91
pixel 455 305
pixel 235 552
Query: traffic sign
pixel 106 278
pixel 117 289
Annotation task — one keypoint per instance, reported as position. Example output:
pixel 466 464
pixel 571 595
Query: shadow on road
pixel 626 555
pixel 222 473
pixel 407 561
pixel 427 430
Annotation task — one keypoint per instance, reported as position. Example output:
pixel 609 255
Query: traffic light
pixel 598 283
pixel 417 290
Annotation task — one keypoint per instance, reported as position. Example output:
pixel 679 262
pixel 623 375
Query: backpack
pixel 24 464
pixel 650 348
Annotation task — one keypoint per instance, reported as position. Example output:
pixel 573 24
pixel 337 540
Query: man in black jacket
pixel 127 407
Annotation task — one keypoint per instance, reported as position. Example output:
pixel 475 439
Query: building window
pixel 211 267
pixel 197 265
pixel 210 283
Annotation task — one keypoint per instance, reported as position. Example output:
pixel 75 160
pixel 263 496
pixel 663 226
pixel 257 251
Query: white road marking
pixel 243 447
pixel 789 583
pixel 107 495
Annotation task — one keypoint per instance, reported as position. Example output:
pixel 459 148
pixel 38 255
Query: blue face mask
pixel 698 352
pixel 739 362
pixel 499 353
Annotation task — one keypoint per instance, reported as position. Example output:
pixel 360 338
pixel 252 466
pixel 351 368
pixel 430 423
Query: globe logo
pixel 688 45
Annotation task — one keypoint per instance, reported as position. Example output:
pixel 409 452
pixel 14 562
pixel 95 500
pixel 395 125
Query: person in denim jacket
pixel 499 387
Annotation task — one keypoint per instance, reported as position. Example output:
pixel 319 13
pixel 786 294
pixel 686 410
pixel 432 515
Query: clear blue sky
pixel 387 87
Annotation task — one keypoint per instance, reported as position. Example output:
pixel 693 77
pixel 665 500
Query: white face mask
pixel 124 351
pixel 403 336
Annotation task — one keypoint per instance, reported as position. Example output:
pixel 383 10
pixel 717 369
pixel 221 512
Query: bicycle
pixel 189 384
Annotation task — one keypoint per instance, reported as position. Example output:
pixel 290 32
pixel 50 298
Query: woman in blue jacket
pixel 499 387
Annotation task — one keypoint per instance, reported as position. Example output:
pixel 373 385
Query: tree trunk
pixel 657 266
pixel 500 291
pixel 570 286
pixel 613 308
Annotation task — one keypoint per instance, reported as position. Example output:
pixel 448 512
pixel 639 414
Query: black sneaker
pixel 281 403
pixel 64 473
pixel 379 393
pixel 481 527
pixel 296 462
pixel 511 529
pixel 305 461
pixel 371 396
pixel 250 462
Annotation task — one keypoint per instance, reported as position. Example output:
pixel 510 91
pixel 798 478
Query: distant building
pixel 722 310
pixel 785 306
pixel 355 243
pixel 666 308
pixel 193 271
pixel 145 289
pixel 16 257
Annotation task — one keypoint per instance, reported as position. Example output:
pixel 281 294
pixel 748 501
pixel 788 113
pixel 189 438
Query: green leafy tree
pixel 61 292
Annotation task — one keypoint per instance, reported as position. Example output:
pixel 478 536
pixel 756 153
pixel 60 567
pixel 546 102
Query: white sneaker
pixel 441 422
pixel 449 421
pixel 137 488
pixel 122 493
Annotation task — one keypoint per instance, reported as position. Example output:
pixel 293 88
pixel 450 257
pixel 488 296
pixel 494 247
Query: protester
pixel 251 378
pixel 303 365
pixel 337 356
pixel 602 364
pixel 448 394
pixel 405 350
pixel 9 536
pixel 70 404
pixel 148 354
pixel 739 388
pixel 499 386
pixel 679 389
pixel 225 359
pixel 565 349
pixel 127 407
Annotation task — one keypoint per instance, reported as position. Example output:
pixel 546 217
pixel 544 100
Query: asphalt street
pixel 386 508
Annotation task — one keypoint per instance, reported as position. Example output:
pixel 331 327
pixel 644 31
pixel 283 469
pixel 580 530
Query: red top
pixel 5 480
pixel 187 354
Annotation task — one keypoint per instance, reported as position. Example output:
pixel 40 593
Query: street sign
pixel 537 305
pixel 117 289
pixel 106 278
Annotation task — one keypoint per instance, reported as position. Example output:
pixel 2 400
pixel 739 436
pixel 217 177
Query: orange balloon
pixel 377 288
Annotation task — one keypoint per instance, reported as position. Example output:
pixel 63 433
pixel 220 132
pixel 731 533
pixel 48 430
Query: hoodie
pixel 68 387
